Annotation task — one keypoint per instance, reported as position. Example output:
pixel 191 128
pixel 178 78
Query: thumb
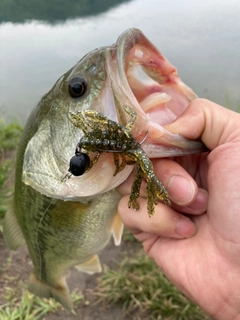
pixel 208 121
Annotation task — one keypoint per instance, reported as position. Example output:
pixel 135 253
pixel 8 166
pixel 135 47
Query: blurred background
pixel 41 40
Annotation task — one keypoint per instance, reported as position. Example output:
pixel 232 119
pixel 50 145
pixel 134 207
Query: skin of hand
pixel 196 242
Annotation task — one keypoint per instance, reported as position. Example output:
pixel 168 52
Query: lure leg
pixel 155 189
pixel 135 191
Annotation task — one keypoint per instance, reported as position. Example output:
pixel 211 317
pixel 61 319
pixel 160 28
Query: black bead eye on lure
pixel 79 164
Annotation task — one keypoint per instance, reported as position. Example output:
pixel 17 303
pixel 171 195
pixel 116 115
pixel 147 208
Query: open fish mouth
pixel 156 92
pixel 131 73
pixel 153 81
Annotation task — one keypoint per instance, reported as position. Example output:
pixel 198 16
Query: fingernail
pixel 180 189
pixel 185 228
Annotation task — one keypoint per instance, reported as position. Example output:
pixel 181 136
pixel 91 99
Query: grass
pixel 30 307
pixel 141 287
pixel 9 138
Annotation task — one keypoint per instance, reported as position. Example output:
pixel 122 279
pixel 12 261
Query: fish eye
pixel 77 86
pixel 79 164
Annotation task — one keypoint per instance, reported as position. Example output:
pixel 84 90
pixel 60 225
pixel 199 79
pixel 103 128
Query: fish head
pixel 131 73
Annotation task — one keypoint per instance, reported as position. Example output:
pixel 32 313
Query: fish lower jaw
pixel 98 180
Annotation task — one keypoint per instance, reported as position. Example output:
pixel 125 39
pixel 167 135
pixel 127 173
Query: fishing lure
pixel 104 135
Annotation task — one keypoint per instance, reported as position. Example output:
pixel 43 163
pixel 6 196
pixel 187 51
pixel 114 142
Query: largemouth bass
pixel 66 222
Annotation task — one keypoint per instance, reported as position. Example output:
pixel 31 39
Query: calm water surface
pixel 201 39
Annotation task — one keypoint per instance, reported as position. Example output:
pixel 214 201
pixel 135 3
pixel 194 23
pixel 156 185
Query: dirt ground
pixel 20 265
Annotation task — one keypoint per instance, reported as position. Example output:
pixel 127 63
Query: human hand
pixel 199 251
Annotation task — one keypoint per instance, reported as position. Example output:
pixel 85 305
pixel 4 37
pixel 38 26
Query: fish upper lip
pixel 155 92
pixel 149 78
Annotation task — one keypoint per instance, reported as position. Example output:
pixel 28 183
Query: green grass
pixel 9 136
pixel 9 139
pixel 141 287
pixel 4 173
pixel 30 307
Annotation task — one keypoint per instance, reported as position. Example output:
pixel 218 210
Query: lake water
pixel 202 39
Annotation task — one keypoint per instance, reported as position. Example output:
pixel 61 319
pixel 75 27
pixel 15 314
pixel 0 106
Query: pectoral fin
pixel 12 232
pixel 91 266
pixel 60 292
pixel 117 229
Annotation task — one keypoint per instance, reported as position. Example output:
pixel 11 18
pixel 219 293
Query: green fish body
pixel 66 222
